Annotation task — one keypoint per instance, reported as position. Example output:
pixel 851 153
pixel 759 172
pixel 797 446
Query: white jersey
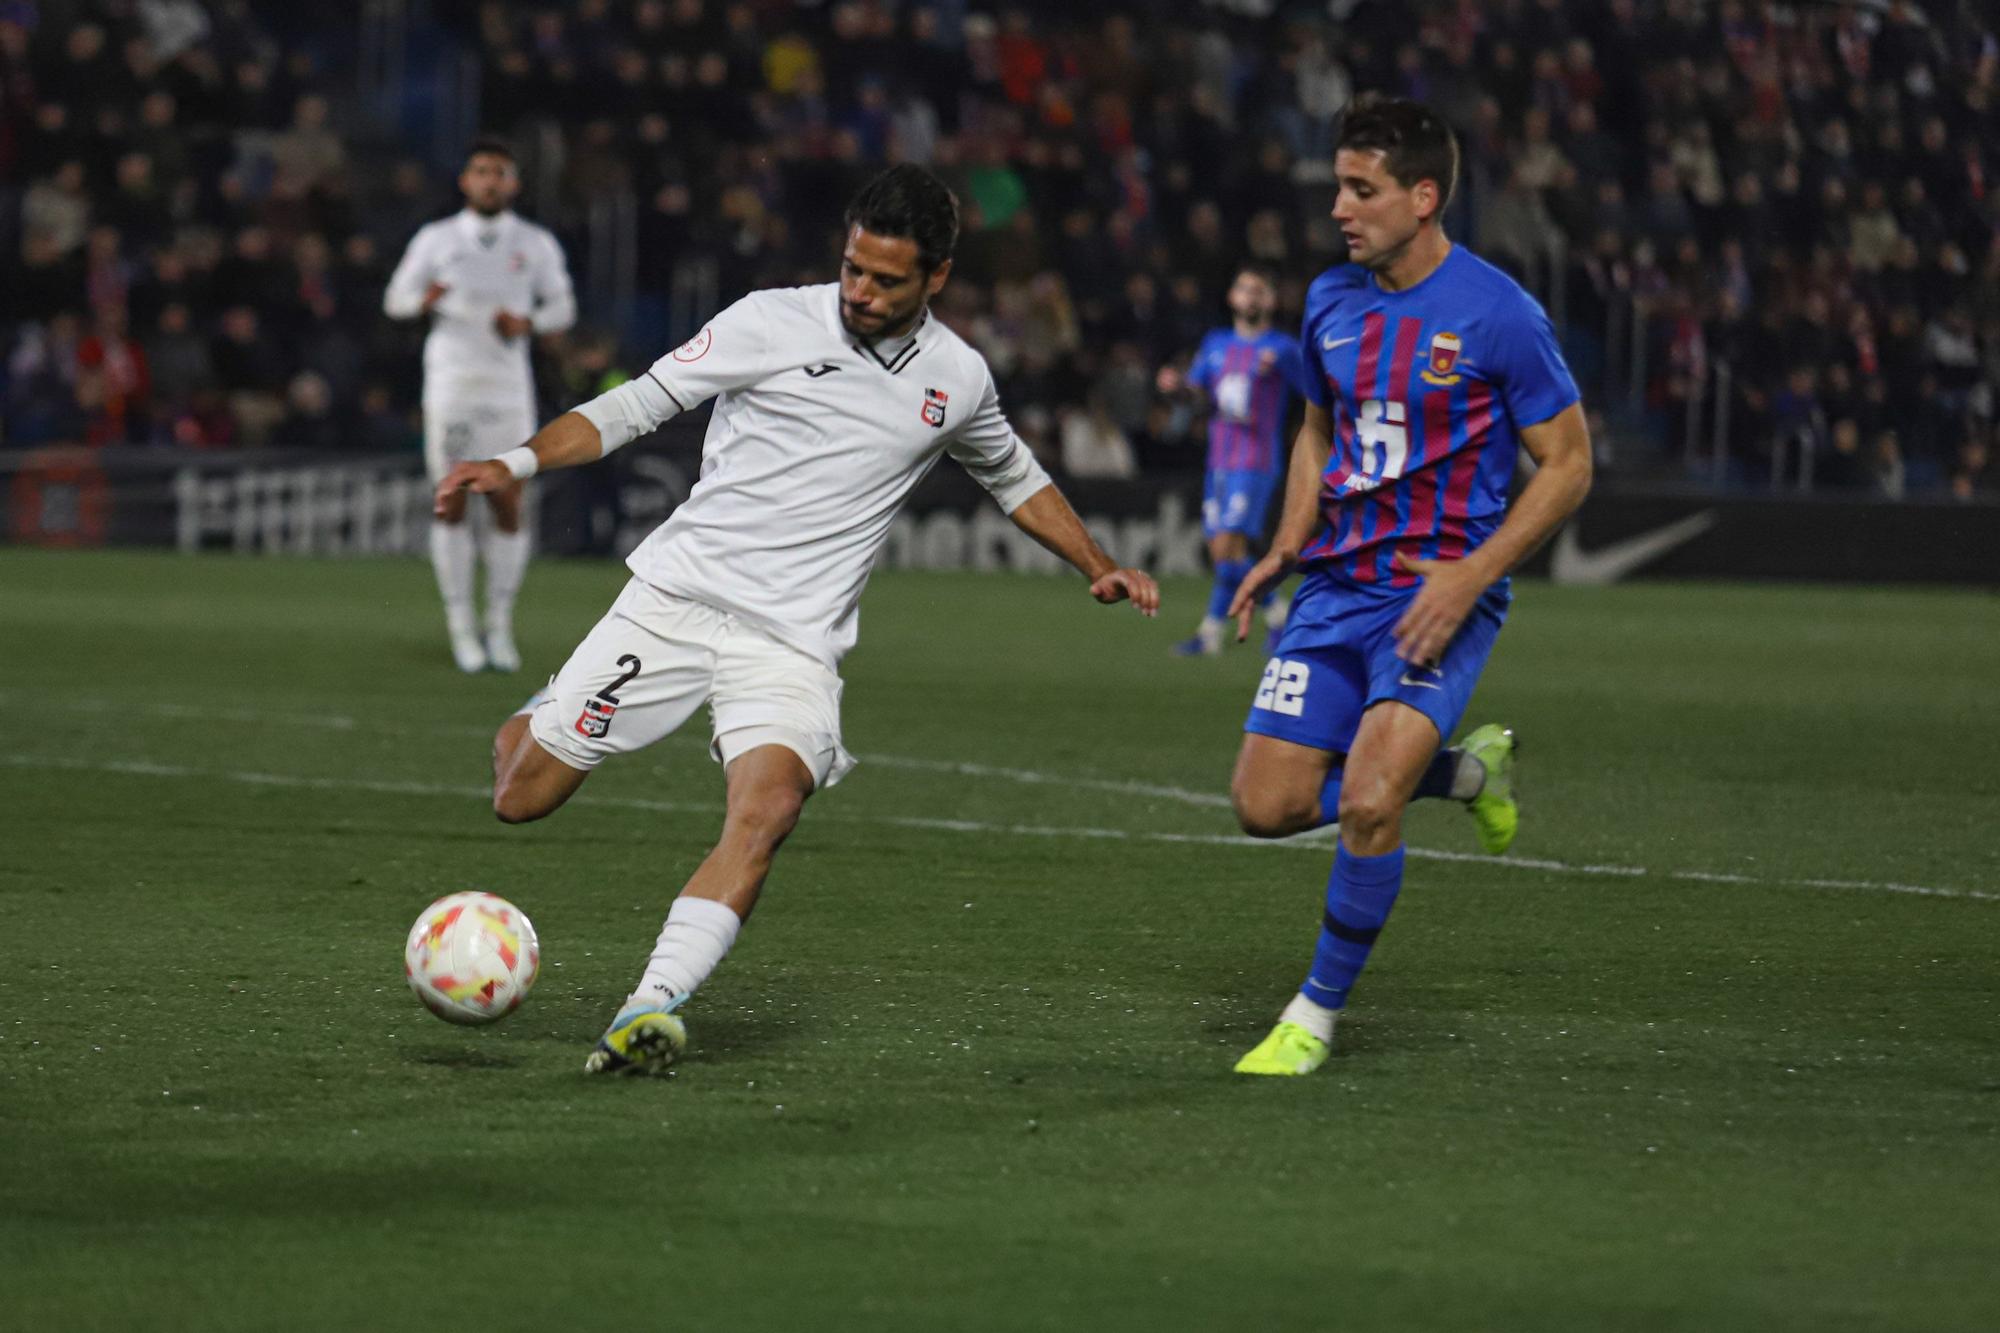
pixel 816 441
pixel 486 265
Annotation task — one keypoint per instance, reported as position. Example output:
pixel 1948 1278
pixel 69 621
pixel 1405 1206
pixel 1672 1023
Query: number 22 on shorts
pixel 1283 689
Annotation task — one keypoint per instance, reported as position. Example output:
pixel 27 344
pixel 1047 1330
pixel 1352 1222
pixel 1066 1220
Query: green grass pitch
pixel 1695 1061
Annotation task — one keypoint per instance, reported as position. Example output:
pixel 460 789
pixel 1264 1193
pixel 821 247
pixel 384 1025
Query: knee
pixel 1369 814
pixel 514 804
pixel 763 820
pixel 1266 812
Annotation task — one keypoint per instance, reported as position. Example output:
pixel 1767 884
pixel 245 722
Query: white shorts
pixel 655 658
pixel 472 430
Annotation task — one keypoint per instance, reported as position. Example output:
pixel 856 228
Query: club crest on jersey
pixel 934 401
pixel 516 262
pixel 1445 348
pixel 595 720
pixel 695 348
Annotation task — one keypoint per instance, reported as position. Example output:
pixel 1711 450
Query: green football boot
pixel 1494 810
pixel 1290 1049
pixel 639 1041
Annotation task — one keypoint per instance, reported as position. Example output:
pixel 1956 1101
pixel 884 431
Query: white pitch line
pixel 354 725
pixel 1315 841
pixel 1028 776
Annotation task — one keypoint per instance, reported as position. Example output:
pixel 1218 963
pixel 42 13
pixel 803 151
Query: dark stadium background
pixel 1766 231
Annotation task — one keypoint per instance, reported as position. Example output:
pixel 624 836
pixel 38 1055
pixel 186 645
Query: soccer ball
pixel 471 957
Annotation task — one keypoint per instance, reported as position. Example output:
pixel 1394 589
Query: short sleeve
pixel 731 351
pixel 1527 367
pixel 1201 371
pixel 1292 365
pixel 1312 375
pixel 987 447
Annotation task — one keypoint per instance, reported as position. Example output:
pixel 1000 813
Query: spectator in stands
pixel 1834 165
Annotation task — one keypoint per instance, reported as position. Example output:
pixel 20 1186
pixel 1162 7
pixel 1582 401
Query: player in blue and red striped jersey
pixel 1251 375
pixel 1428 371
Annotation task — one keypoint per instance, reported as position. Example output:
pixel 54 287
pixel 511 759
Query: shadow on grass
pixel 462 1057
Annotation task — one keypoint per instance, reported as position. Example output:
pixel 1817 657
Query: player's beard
pixel 896 328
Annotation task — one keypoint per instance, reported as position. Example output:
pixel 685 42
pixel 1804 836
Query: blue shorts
pixel 1236 501
pixel 1337 657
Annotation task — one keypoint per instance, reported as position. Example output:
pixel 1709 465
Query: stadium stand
pixel 1770 233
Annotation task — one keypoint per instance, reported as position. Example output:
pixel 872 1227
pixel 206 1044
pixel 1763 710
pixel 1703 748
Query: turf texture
pixel 1716 1051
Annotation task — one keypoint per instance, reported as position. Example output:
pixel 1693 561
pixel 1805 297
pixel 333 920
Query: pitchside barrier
pixel 285 502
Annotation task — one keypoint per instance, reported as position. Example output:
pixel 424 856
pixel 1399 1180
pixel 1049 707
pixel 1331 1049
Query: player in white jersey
pixel 832 402
pixel 488 280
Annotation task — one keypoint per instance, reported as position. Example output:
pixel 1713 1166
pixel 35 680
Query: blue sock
pixel 1359 894
pixel 1228 574
pixel 1329 797
pixel 1437 779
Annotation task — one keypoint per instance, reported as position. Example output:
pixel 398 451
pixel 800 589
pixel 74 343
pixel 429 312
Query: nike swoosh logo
pixel 1316 986
pixel 1420 684
pixel 817 371
pixel 1328 344
pixel 1569 563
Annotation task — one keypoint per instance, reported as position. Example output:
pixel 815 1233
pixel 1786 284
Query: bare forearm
pixel 569 440
pixel 1048 518
pixel 1302 484
pixel 1549 498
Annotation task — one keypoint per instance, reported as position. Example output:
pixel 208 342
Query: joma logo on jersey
pixel 595 720
pixel 1445 348
pixel 934 401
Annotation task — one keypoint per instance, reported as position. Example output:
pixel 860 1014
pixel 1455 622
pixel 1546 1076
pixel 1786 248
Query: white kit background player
pixel 488 279
pixel 831 403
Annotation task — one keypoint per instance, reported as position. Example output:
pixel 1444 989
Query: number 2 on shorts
pixel 610 692
pixel 1283 689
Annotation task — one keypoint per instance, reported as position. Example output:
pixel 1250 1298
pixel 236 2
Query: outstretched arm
pixel 1048 518
pixel 1560 447
pixel 1301 516
pixel 570 439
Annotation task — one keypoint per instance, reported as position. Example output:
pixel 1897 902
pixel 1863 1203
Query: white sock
pixel 506 557
pixel 1275 613
pixel 451 559
pixel 1314 1018
pixel 696 937
pixel 1210 632
pixel 1469 780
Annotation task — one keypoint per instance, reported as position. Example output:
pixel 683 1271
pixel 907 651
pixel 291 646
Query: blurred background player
pixel 488 279
pixel 832 402
pixel 1429 370
pixel 1250 373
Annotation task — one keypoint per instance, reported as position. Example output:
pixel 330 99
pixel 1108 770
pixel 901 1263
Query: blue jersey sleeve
pixel 1533 380
pixel 1312 375
pixel 1201 371
pixel 1292 365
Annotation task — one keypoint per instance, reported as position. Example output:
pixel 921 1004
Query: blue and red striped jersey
pixel 1428 390
pixel 1251 382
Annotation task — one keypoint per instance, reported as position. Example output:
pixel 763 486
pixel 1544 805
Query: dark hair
pixel 909 202
pixel 487 145
pixel 1415 143
pixel 1258 269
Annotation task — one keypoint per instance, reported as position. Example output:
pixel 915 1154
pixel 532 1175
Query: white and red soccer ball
pixel 472 957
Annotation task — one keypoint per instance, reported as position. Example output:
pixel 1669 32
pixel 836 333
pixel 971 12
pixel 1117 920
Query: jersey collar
pixel 476 226
pixel 891 353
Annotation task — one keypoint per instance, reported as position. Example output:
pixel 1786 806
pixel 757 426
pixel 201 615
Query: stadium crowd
pixel 197 215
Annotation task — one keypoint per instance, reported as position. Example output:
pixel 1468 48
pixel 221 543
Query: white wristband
pixel 521 462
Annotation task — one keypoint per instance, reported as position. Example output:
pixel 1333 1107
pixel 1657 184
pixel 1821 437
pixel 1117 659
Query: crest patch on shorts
pixel 595 720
